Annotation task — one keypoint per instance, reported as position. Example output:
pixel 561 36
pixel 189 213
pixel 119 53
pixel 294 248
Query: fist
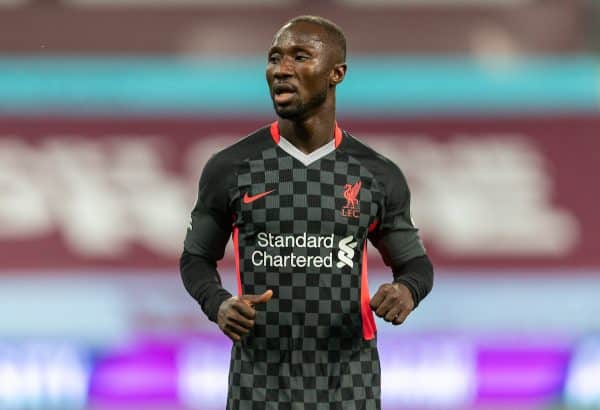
pixel 393 302
pixel 236 315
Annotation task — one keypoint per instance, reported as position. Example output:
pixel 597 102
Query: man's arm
pixel 204 245
pixel 207 236
pixel 198 265
pixel 403 252
pixel 413 280
pixel 202 281
pixel 417 275
pixel 399 244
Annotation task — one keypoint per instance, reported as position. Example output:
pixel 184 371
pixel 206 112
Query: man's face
pixel 298 70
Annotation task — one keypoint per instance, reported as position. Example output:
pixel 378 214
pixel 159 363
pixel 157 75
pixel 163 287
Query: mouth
pixel 283 93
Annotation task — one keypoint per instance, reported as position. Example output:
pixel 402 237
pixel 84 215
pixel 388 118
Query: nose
pixel 284 68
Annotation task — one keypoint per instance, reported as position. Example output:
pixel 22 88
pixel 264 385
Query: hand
pixel 393 302
pixel 236 315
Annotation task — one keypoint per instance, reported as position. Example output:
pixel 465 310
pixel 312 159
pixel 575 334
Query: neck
pixel 310 133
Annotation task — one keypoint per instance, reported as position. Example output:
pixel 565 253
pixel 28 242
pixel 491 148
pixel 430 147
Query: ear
pixel 337 74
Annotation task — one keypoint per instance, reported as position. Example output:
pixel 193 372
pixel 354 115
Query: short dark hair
pixel 333 30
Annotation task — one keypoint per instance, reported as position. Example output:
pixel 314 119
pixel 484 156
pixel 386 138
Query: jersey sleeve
pixel 396 236
pixel 207 236
pixel 212 210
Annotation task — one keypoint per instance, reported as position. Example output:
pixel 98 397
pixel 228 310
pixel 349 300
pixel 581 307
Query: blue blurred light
pixel 43 376
pixel 375 85
pixel 582 388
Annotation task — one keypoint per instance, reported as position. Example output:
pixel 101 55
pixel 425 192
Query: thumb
pixel 256 299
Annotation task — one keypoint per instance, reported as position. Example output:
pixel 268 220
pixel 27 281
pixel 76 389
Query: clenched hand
pixel 393 302
pixel 236 315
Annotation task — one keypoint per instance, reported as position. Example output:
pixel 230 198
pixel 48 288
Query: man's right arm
pixel 204 245
pixel 207 235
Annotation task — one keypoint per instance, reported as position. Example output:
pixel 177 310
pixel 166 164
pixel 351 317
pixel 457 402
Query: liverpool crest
pixel 351 192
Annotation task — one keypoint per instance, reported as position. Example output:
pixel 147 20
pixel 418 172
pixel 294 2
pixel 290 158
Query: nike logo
pixel 249 199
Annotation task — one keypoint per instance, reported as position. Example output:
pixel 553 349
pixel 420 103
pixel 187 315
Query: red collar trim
pixel 337 135
pixel 275 132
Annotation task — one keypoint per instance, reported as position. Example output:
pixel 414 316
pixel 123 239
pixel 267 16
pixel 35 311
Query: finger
pixel 241 320
pixel 237 328
pixel 393 313
pixel 265 297
pixel 230 334
pixel 378 298
pixel 401 317
pixel 257 299
pixel 385 306
pixel 245 309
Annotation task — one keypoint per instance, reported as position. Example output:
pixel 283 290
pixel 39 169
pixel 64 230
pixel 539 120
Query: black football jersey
pixel 300 224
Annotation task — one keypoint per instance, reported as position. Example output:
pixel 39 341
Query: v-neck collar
pixel 306 159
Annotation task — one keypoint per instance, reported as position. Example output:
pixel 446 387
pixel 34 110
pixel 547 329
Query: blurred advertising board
pixel 105 341
pixel 116 192
pixel 437 371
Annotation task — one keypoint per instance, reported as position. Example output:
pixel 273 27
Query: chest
pixel 335 195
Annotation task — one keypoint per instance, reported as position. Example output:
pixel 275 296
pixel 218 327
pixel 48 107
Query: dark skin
pixel 236 315
pixel 304 67
pixel 393 303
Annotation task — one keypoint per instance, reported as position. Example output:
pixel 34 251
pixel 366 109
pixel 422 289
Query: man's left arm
pixel 401 248
pixel 413 280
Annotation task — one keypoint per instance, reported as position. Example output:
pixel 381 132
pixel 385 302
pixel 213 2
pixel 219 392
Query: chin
pixel 288 113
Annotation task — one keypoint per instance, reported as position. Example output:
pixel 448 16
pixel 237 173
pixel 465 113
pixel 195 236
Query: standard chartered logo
pixel 267 241
pixel 346 252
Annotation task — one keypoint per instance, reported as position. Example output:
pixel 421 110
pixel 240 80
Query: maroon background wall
pixel 532 27
pixel 495 192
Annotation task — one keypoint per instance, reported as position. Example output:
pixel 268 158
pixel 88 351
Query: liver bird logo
pixel 351 192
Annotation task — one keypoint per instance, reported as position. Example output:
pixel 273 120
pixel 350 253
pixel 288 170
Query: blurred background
pixel 110 108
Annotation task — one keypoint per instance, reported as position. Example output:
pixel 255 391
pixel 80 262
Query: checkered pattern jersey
pixel 314 343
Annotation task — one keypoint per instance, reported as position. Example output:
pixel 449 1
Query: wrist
pixel 219 299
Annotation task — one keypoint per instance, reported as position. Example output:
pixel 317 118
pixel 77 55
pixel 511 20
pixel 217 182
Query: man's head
pixel 305 63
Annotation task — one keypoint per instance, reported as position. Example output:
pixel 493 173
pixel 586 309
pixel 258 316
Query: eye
pixel 273 58
pixel 302 57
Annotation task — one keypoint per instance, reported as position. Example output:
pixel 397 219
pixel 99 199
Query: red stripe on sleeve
pixel 236 252
pixel 368 320
pixel 373 226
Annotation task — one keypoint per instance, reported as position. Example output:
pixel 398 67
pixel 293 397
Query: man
pixel 301 197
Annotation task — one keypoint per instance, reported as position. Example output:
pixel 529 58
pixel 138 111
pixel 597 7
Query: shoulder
pixel 220 170
pixel 226 162
pixel 246 147
pixel 384 169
